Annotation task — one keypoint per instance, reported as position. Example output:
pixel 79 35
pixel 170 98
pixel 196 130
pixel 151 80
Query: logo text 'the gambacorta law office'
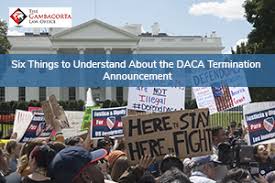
pixel 40 17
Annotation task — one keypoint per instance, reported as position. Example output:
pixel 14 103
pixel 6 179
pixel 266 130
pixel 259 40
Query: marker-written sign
pixel 183 133
pixel 156 99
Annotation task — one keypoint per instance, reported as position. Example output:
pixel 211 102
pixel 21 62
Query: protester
pixel 134 174
pixel 84 167
pixel 4 166
pixel 105 143
pixel 218 136
pixel 262 155
pixel 118 163
pixel 203 170
pixel 12 149
pixel 174 175
pixel 73 141
pixel 40 159
pixel 169 162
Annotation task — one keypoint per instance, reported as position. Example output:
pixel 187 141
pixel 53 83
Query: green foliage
pixel 261 40
pixel 261 15
pixel 4 43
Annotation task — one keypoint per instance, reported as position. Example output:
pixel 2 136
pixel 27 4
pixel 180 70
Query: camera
pixel 238 155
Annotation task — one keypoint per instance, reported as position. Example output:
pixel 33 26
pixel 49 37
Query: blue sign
pixel 107 122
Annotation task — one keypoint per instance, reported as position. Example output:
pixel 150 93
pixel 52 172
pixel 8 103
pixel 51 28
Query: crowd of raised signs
pixel 81 160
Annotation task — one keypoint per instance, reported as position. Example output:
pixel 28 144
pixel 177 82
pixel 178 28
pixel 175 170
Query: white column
pixel 108 90
pixel 53 91
pixel 32 93
pixel 81 91
pixel 11 93
pixel 56 91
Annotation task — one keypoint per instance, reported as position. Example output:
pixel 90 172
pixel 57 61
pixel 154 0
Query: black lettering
pixel 132 127
pixel 190 140
pixel 177 141
pixel 166 124
pixel 206 116
pixel 200 120
pixel 204 139
pixel 142 147
pixel 193 115
pixel 133 151
pixel 146 128
pixel 157 124
pixel 155 147
pixel 185 122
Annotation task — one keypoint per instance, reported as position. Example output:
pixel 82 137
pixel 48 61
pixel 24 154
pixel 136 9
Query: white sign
pixel 221 98
pixel 21 122
pixel 75 120
pixel 40 17
pixel 156 99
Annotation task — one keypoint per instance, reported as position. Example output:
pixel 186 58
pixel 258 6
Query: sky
pixel 176 17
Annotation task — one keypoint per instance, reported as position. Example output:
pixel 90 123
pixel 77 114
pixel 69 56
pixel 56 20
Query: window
pixel 72 93
pixel 22 93
pixel 42 94
pixel 2 94
pixel 119 94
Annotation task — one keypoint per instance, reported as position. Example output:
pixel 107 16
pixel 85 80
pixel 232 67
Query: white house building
pixel 97 37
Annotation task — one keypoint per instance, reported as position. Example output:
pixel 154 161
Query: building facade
pixel 97 37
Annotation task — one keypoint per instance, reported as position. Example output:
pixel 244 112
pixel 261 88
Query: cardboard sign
pixel 221 98
pixel 183 133
pixel 21 122
pixel 54 114
pixel 107 122
pixel 75 119
pixel 156 99
pixel 38 128
pixel 260 121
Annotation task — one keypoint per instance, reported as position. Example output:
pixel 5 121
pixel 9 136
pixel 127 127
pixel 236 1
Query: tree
pixel 261 40
pixel 261 14
pixel 4 42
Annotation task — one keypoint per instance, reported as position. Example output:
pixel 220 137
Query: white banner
pixel 156 99
pixel 21 122
pixel 40 17
pixel 221 98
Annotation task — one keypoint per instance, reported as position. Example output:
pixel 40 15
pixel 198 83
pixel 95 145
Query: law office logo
pixel 40 17
pixel 18 16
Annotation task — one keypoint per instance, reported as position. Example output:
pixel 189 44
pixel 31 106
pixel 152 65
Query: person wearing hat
pixel 203 169
pixel 77 165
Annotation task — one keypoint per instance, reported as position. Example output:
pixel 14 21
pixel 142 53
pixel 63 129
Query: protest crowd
pixel 80 160
pixel 124 146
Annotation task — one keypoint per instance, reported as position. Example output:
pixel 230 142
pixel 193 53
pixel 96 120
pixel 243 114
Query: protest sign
pixel 38 128
pixel 183 133
pixel 54 114
pixel 156 99
pixel 86 122
pixel 75 119
pixel 33 109
pixel 260 120
pixel 21 122
pixel 221 98
pixel 107 122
